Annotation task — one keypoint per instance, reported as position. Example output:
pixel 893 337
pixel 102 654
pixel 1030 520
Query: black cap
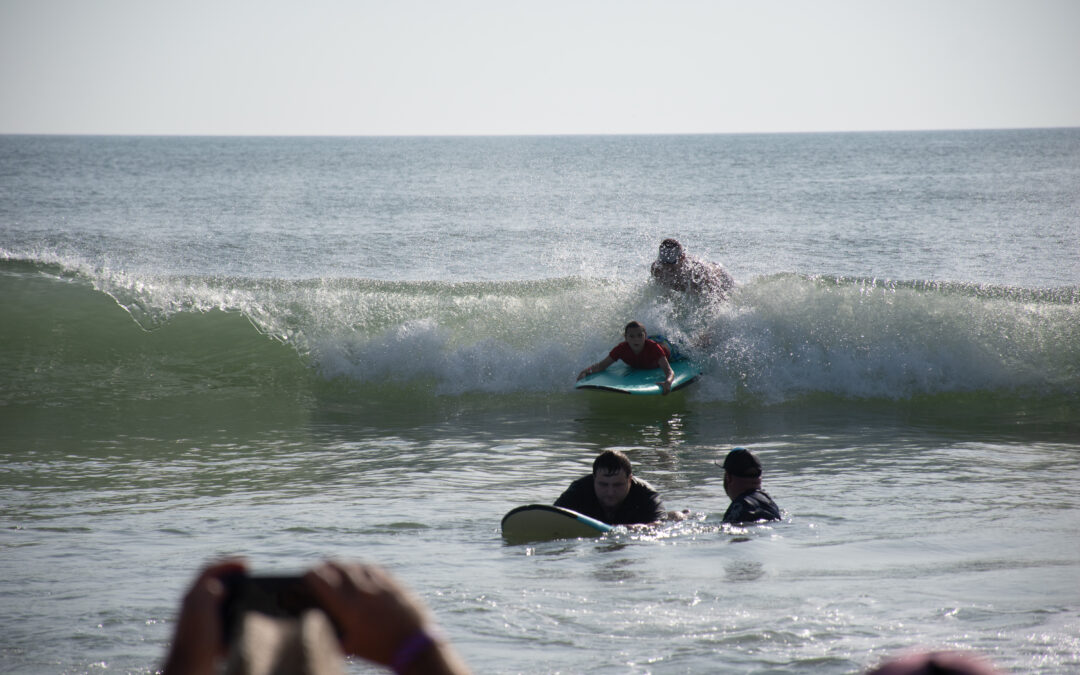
pixel 741 462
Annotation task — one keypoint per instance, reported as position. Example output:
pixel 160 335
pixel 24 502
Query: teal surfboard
pixel 621 378
pixel 541 522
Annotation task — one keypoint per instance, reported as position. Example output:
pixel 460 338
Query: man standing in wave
pixel 676 270
pixel 742 483
pixel 612 494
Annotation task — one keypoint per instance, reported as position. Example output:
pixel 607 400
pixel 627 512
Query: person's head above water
pixel 635 335
pixel 612 474
pixel 612 461
pixel 936 663
pixel 742 483
pixel 742 472
pixel 671 252
pixel 741 462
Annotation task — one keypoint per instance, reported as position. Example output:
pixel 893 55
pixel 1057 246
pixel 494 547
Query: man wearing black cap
pixel 676 270
pixel 742 482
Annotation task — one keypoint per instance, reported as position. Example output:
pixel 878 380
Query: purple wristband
pixel 413 646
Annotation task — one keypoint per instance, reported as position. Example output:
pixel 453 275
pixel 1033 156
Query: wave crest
pixel 779 338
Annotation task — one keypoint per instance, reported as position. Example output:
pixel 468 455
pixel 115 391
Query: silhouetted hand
pixel 197 643
pixel 381 620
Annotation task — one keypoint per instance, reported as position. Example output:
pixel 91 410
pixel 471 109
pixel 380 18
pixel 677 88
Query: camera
pixel 275 596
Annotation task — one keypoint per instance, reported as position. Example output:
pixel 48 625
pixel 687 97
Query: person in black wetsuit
pixel 742 482
pixel 612 494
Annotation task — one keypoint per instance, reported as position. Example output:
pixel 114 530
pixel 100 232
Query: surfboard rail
pixel 544 522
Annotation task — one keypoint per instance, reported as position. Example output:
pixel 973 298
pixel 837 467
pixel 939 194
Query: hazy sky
pixel 353 67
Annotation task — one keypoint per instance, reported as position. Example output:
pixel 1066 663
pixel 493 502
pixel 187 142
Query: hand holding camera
pixel 375 617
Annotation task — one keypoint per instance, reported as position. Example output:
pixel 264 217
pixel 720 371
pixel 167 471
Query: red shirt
pixel 649 357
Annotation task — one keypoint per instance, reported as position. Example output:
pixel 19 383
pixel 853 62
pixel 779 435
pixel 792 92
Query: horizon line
pixel 532 135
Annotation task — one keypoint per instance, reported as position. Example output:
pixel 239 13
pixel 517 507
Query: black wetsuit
pixel 750 507
pixel 642 503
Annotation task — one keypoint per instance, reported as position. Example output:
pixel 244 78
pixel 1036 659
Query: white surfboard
pixel 542 522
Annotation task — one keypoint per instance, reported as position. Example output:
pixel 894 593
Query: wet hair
pixel 670 251
pixel 634 324
pixel 612 461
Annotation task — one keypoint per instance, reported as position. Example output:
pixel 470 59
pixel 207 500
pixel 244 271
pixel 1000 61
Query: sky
pixel 495 67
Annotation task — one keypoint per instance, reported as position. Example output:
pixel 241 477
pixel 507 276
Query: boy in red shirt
pixel 638 351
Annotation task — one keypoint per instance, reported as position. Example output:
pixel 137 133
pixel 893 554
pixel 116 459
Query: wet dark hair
pixel 612 461
pixel 671 252
pixel 634 324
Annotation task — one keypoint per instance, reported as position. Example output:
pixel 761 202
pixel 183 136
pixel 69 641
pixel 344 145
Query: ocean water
pixel 298 348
